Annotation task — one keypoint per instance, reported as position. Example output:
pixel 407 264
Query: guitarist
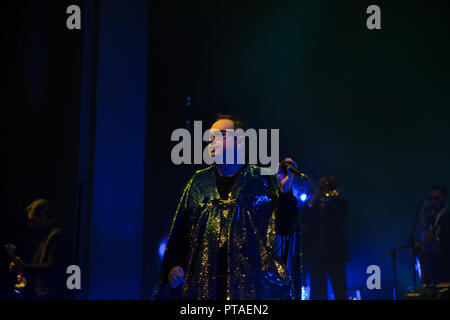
pixel 45 273
pixel 434 250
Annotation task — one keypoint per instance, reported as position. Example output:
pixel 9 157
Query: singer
pixel 222 240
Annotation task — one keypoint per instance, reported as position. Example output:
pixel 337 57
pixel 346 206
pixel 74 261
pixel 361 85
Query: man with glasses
pixel 324 240
pixel 435 230
pixel 222 243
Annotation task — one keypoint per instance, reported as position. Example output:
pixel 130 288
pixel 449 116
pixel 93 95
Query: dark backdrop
pixel 41 66
pixel 369 107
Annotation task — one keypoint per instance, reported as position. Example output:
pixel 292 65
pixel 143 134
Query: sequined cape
pixel 245 223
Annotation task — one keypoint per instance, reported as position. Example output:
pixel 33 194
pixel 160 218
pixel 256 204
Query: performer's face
pixel 214 148
pixel 39 222
pixel 437 199
pixel 323 182
pixel 34 221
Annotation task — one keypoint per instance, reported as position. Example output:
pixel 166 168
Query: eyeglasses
pixel 224 134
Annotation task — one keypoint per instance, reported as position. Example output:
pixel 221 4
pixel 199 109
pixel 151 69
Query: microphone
pixel 294 170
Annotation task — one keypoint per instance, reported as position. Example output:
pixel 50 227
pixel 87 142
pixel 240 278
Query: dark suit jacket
pixel 324 228
pixel 436 259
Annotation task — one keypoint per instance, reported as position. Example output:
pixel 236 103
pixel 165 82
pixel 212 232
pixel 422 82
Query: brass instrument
pixel 331 193
pixel 328 187
pixel 21 281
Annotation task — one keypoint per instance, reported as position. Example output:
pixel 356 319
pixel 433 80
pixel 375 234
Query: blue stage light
pixel 305 292
pixel 303 197
pixel 418 268
pixel 162 247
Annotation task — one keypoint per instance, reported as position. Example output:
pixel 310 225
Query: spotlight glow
pixel 162 247
pixel 418 268
pixel 303 197
pixel 305 292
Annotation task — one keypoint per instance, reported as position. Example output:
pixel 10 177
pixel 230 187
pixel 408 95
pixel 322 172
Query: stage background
pixel 90 114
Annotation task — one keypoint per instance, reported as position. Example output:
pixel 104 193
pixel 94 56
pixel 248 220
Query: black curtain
pixel 41 102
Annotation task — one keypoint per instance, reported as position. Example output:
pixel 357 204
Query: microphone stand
pixel 393 254
pixel 297 265
pixel 412 241
pixel 298 262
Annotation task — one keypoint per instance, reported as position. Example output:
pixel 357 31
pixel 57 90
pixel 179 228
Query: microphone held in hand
pixel 294 170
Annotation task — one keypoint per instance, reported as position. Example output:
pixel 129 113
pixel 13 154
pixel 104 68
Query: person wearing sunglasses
pixel 434 251
pixel 324 240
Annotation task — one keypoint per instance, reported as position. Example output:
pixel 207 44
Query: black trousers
pixel 321 266
pixel 222 262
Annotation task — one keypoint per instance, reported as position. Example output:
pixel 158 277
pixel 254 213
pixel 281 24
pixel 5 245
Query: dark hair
pixel 238 123
pixel 332 182
pixel 40 206
pixel 442 189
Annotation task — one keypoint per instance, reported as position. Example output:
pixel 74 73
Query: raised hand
pixel 176 276
pixel 285 177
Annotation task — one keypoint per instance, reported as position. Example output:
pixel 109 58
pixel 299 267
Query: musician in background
pixel 324 245
pixel 434 251
pixel 46 272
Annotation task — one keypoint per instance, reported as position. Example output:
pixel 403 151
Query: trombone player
pixel 324 245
